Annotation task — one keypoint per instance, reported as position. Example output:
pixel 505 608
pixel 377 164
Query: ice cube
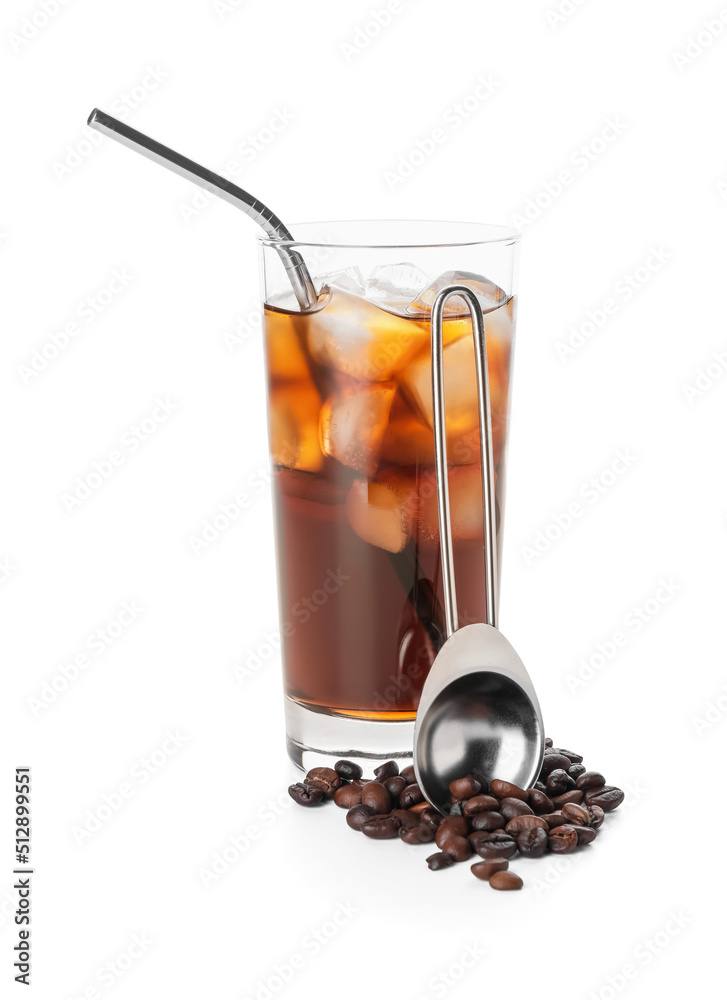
pixel 395 286
pixel 409 441
pixel 349 279
pixel 294 443
pixel 309 486
pixel 382 512
pixel 357 338
pixel 353 422
pixel 489 295
pixel 282 343
pixel 465 505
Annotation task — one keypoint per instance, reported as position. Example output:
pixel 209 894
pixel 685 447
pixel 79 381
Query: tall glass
pixel 352 448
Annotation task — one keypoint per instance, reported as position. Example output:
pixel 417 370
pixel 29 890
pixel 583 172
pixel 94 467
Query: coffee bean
pixel 548 741
pixel 394 785
pixel 489 820
pixel 608 798
pixel 358 815
pixel 441 860
pixel 497 845
pixel 559 781
pixel 532 842
pixel 347 796
pixel 586 835
pixel 520 823
pixel 486 869
pixel 574 758
pixel 452 826
pixel 574 795
pixel 480 803
pixel 563 839
pixel 381 827
pixel 464 788
pixel 406 818
pixel 477 836
pixel 411 796
pixel 347 769
pixel 539 801
pixel 456 808
pixel 553 762
pixel 408 774
pixel 387 770
pixel 596 816
pixel 377 796
pixel 459 847
pixel 305 795
pixel 431 817
pixel 420 807
pixel 514 807
pixel 324 778
pixel 506 790
pixel 506 881
pixel 484 783
pixel 419 834
pixel 576 815
pixel 590 779
pixel 576 770
pixel 539 786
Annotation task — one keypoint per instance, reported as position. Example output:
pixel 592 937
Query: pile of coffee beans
pixel 493 820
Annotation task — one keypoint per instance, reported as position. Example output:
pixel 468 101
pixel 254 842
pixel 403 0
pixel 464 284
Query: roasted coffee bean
pixel 459 847
pixel 489 820
pixel 479 835
pixel 514 807
pixel 539 801
pixel 441 860
pixel 576 770
pixel 608 798
pixel 347 796
pixel 324 778
pixel 506 790
pixel 358 815
pixel 554 819
pixel 464 788
pixel 575 815
pixel 431 817
pixel 406 818
pixel 347 769
pixel 563 839
pixel 419 834
pixel 553 762
pixel 484 783
pixel 456 808
pixel 498 845
pixel 394 785
pixel 590 779
pixel 520 823
pixel 596 816
pixel 559 781
pixel 387 770
pixel 376 795
pixel 452 826
pixel 484 870
pixel 381 827
pixel 586 835
pixel 532 842
pixel 420 807
pixel 360 782
pixel 574 758
pixel 408 774
pixel 411 796
pixel 574 795
pixel 540 786
pixel 548 742
pixel 479 804
pixel 305 795
pixel 506 881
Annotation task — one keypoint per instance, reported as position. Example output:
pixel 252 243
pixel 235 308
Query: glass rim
pixel 469 234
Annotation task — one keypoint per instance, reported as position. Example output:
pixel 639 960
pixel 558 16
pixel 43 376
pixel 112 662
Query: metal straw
pixel 293 263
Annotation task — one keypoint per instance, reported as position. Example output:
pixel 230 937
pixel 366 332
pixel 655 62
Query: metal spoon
pixel 478 710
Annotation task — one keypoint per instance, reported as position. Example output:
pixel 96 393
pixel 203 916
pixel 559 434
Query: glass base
pixel 318 739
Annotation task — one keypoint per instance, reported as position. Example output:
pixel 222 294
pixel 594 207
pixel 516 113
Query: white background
pixel 72 213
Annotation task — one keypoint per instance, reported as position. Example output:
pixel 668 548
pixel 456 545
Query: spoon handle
pixel 440 456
